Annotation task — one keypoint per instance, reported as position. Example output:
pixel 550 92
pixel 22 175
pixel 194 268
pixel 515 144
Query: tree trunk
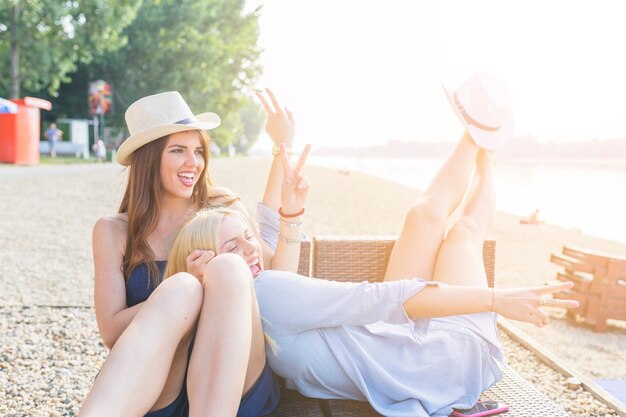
pixel 15 52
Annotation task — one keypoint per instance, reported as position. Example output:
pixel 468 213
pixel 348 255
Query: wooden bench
pixel 599 285
pixel 349 258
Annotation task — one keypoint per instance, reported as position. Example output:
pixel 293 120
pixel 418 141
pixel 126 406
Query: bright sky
pixel 361 72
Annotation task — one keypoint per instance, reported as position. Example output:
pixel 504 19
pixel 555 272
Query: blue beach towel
pixel 615 387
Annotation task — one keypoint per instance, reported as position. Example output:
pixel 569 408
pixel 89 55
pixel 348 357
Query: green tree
pixel 252 117
pixel 46 39
pixel 206 49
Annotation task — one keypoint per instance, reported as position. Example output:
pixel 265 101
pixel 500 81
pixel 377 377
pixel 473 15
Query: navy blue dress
pixel 259 401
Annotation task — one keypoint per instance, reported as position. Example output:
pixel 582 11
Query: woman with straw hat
pixel 187 346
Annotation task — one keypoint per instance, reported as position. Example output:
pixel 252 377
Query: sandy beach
pixel 50 349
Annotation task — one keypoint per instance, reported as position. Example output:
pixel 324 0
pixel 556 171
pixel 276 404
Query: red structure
pixel 20 132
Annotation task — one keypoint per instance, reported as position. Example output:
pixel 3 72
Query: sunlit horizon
pixel 360 73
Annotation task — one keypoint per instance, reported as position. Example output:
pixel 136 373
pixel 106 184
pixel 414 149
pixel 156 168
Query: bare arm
pixel 356 303
pixel 522 304
pixel 294 191
pixel 280 127
pixel 112 313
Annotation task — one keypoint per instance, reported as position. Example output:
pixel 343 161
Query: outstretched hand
pixel 295 187
pixel 280 125
pixel 524 304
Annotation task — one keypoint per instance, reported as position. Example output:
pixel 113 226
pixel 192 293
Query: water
pixel 586 195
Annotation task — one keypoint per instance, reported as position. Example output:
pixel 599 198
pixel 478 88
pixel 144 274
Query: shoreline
pixel 514 205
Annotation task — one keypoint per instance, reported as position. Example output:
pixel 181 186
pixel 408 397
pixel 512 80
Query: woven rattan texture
pixel 293 404
pixel 304 267
pixel 346 408
pixel 522 397
pixel 350 258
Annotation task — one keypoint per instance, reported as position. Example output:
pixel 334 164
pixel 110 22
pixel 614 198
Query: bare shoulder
pixel 222 196
pixel 111 228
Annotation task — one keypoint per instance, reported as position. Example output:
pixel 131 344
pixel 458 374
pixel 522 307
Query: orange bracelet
pixel 288 216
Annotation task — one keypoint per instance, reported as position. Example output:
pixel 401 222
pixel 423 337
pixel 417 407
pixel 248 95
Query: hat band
pixel 186 121
pixel 469 119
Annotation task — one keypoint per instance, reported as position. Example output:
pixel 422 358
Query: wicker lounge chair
pixel 344 258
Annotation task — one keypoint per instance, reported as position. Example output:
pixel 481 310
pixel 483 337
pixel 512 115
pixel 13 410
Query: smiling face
pixel 237 237
pixel 182 162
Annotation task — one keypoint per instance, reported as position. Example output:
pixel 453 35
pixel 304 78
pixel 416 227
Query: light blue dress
pixel 355 341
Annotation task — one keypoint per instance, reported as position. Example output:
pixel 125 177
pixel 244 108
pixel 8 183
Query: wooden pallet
pixel 599 285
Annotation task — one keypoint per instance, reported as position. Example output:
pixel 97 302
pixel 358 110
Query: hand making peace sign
pixel 280 125
pixel 295 187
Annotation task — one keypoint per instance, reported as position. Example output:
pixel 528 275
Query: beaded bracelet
pixel 287 216
pixel 287 240
pixel 290 224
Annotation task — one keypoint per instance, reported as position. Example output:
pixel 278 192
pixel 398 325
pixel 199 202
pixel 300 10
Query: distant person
pixel 532 219
pixel 100 150
pixel 53 135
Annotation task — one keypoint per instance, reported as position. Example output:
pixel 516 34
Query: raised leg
pixel 460 259
pixel 145 353
pixel 228 354
pixel 416 249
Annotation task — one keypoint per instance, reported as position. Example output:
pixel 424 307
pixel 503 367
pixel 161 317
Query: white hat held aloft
pixel 483 104
pixel 159 115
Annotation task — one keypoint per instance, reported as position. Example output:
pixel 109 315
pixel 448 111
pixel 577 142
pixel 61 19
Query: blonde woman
pixel 409 346
pixel 186 346
pixel 420 343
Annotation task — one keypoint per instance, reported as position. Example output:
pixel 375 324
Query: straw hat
pixel 483 104
pixel 159 115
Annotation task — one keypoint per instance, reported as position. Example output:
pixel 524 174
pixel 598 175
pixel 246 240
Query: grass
pixel 60 160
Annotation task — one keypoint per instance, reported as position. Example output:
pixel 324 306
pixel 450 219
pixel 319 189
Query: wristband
pixel 290 224
pixel 289 216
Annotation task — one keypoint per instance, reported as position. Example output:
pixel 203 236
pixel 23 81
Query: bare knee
pixel 427 212
pixel 227 273
pixel 180 297
pixel 467 228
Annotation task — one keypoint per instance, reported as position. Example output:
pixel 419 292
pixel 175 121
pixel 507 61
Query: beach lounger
pixel 344 258
pixel 599 285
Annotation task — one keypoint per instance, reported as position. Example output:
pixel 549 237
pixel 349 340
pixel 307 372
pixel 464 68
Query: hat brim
pixel 205 121
pixel 487 139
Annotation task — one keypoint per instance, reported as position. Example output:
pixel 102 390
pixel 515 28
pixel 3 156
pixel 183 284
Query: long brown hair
pixel 142 198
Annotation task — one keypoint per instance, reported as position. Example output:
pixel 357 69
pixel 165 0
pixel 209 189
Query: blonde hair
pixel 202 232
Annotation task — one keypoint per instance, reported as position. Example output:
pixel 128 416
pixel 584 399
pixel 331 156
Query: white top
pixel 349 340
